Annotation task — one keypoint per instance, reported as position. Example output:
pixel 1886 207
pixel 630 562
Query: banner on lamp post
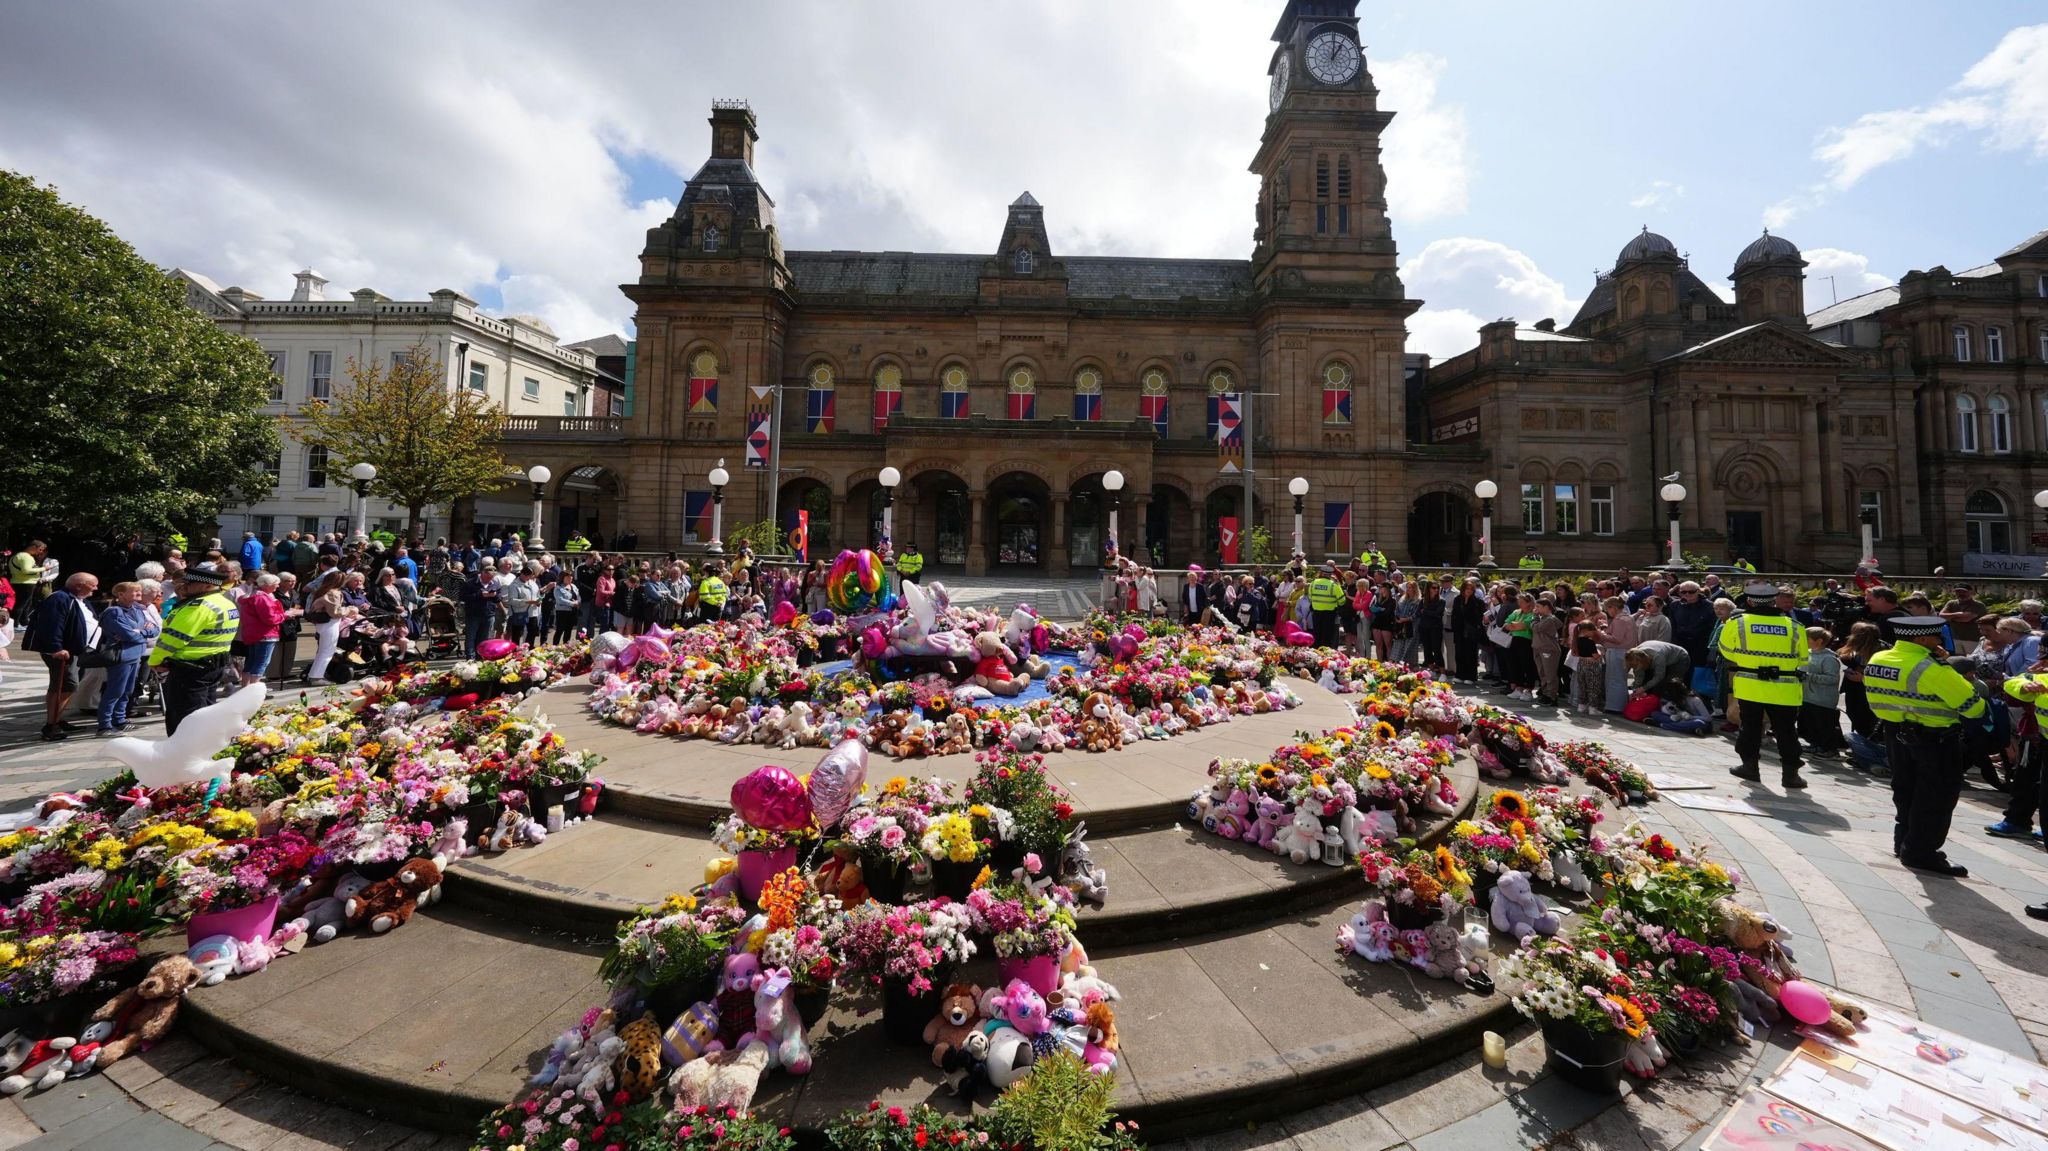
pixel 1226 528
pixel 800 536
pixel 760 431
pixel 1230 432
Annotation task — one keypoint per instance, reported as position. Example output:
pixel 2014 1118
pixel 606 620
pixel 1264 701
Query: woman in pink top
pixel 607 586
pixel 261 615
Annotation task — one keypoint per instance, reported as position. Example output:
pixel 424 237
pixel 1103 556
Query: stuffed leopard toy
pixel 639 1069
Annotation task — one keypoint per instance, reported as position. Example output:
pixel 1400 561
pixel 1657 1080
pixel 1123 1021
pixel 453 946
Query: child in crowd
pixel 1820 716
pixel 1589 671
pixel 1546 644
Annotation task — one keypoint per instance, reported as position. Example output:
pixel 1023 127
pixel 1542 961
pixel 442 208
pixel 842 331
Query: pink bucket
pixel 756 868
pixel 248 923
pixel 1042 972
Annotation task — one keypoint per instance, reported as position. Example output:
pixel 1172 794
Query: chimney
pixel 1546 325
pixel 311 286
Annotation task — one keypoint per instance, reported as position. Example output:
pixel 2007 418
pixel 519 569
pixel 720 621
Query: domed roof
pixel 1644 246
pixel 1766 249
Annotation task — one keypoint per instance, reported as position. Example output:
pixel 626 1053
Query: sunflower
pixel 896 785
pixel 1383 731
pixel 1510 804
pixel 1378 771
pixel 1633 1024
pixel 1268 775
pixel 1447 869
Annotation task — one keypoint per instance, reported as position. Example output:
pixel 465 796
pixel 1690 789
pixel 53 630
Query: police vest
pixel 1531 563
pixel 1906 684
pixel 1747 566
pixel 910 564
pixel 712 592
pixel 200 629
pixel 2038 702
pixel 578 544
pixel 1753 642
pixel 1325 594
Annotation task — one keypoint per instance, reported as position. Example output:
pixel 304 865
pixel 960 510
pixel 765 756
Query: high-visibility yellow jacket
pixel 199 629
pixel 576 544
pixel 712 592
pixel 1325 594
pixel 1530 563
pixel 2038 701
pixel 910 564
pixel 1756 640
pixel 1906 684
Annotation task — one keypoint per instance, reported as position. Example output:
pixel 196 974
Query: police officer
pixel 1768 650
pixel 1372 557
pixel 910 564
pixel 711 595
pixel 576 543
pixel 1923 703
pixel 1743 565
pixel 1531 560
pixel 193 649
pixel 1325 596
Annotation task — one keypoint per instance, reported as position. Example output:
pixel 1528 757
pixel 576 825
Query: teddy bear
pixel 735 998
pixel 993 666
pixel 914 743
pixel 768 729
pixel 886 730
pixel 1101 1050
pixel 1017 1028
pixel 840 877
pixel 966 1066
pixel 388 903
pixel 142 1014
pixel 722 1079
pixel 1302 839
pixel 796 729
pixel 1100 730
pixel 214 957
pixel 1445 958
pixel 959 1016
pixel 1079 981
pixel 1369 935
pixel 1360 826
pixel 325 917
pixel 1024 736
pixel 1516 910
pixel 959 736
pixel 638 1069
pixel 776 1025
pixel 1271 815
pixel 1644 1057
pixel 1231 819
pixel 46 1063
pixel 255 954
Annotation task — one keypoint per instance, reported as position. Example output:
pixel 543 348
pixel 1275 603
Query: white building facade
pixel 517 362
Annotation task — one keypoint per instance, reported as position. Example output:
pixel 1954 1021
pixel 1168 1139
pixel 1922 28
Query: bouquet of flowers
pixel 908 945
pixel 734 834
pixel 1562 980
pixel 1022 925
pixel 677 941
pixel 1040 815
pixel 1597 764
pixel 53 963
pixel 950 837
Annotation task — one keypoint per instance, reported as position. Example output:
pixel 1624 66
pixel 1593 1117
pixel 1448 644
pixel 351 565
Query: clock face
pixel 1332 58
pixel 1279 81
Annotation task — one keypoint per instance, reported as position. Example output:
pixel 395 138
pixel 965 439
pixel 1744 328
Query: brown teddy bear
pixel 143 1014
pixel 388 903
pixel 959 736
pixel 1099 728
pixel 959 1015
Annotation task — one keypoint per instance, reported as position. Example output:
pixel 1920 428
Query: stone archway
pixel 813 496
pixel 586 499
pixel 1019 521
pixel 937 512
pixel 1441 530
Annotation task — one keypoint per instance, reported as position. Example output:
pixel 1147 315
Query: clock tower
pixel 1322 212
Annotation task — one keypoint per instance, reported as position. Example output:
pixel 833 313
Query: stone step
pixel 687 782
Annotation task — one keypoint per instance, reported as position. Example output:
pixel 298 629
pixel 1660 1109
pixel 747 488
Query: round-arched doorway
pixel 1018 511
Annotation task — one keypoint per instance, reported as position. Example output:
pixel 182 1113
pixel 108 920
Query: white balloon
pixel 187 756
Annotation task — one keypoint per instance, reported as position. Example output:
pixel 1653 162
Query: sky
pixel 517 151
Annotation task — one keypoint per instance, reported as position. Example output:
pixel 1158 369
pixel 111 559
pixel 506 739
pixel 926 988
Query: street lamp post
pixel 719 477
pixel 1486 490
pixel 889 478
pixel 1298 488
pixel 2040 501
pixel 539 475
pixel 1674 494
pixel 363 474
pixel 1113 483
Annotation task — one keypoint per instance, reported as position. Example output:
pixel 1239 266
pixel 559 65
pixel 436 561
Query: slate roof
pixel 954 274
pixel 605 345
pixel 1601 300
pixel 1854 308
pixel 2021 247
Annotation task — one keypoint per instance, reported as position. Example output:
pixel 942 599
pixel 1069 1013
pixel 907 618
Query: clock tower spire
pixel 1322 212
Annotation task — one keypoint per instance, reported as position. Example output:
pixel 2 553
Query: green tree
pixel 430 445
pixel 127 410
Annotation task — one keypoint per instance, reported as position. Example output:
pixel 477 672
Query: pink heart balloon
pixel 836 781
pixel 461 702
pixel 495 649
pixel 772 799
pixel 784 612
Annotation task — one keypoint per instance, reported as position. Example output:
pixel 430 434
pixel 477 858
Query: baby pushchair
pixel 443 638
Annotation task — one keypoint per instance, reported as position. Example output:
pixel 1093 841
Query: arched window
pixel 1336 393
pixel 1152 389
pixel 2001 424
pixel 1994 345
pixel 1966 423
pixel 316 467
pixel 1322 194
pixel 1220 382
pixel 1986 529
pixel 953 394
pixel 704 384
pixel 1343 195
pixel 821 400
pixel 1023 261
pixel 1087 396
pixel 711 237
pixel 1023 395
pixel 888 394
pixel 1962 343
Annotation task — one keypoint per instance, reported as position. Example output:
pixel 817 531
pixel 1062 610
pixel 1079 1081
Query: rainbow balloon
pixel 854 584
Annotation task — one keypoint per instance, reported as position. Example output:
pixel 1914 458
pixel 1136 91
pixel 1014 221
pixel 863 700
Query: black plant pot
pixel 672 999
pixel 885 881
pixel 904 1014
pixel 1409 917
pixel 811 1003
pixel 482 818
pixel 954 880
pixel 1007 857
pixel 1588 1060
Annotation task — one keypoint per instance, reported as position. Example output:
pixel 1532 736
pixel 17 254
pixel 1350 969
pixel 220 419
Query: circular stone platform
pixel 1236 1005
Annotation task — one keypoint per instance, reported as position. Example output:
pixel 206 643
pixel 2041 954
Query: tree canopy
pixel 127 410
pixel 430 445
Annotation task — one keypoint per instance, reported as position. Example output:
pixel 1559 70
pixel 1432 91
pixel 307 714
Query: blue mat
pixel 1037 690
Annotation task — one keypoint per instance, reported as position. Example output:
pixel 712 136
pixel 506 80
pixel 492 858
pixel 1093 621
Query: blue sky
pixel 518 150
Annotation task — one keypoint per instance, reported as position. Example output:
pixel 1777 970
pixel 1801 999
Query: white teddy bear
pixel 1301 840
pixel 1516 910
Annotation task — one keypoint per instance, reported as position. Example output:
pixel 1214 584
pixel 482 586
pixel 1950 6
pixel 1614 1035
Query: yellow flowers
pixel 104 854
pixel 1510 804
pixel 8 953
pixel 231 822
pixel 1376 771
pixel 370 750
pixel 984 877
pixel 1447 869
pixel 1466 829
pixel 1383 732
pixel 677 904
pixel 896 786
pixel 980 811
pixel 951 837
pixel 9 844
pixel 1715 872
pixel 177 837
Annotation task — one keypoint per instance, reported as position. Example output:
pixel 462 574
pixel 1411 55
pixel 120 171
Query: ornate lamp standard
pixel 1486 490
pixel 889 478
pixel 1298 488
pixel 363 474
pixel 719 477
pixel 1113 483
pixel 1674 494
pixel 538 475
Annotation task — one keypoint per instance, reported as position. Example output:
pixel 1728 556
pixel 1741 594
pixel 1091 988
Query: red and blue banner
pixel 1337 529
pixel 821 406
pixel 1337 405
pixel 1215 406
pixel 697 516
pixel 1087 407
pixel 887 404
pixel 953 405
pixel 703 395
pixel 1154 408
pixel 1226 531
pixel 800 536
pixel 760 426
pixel 1023 405
pixel 1230 432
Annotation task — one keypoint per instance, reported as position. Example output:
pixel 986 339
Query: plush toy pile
pixel 929 678
pixel 315 818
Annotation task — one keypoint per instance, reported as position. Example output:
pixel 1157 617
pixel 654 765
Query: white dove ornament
pixel 187 756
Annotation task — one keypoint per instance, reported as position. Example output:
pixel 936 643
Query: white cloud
pixel 1660 195
pixel 1443 332
pixel 1880 138
pixel 1486 277
pixel 1429 167
pixel 1851 272
pixel 1785 211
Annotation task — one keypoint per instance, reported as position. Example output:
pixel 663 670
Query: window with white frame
pixel 1962 343
pixel 479 377
pixel 401 358
pixel 711 237
pixel 1870 509
pixel 2001 424
pixel 1600 509
pixel 1565 509
pixel 277 365
pixel 531 388
pixel 316 467
pixel 1023 261
pixel 319 375
pixel 309 525
pixel 1986 530
pixel 265 527
pixel 2041 284
pixel 1966 423
pixel 273 466
pixel 1532 509
pixel 1994 345
pixel 568 403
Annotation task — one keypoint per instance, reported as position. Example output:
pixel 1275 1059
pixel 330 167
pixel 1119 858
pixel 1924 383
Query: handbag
pixel 1499 637
pixel 1705 681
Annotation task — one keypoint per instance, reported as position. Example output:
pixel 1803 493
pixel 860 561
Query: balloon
pixel 461 702
pixel 772 799
pixel 873 643
pixel 784 613
pixel 836 781
pixel 187 755
pixel 495 649
pixel 1125 647
pixel 638 648
pixel 823 617
pixel 1804 1002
